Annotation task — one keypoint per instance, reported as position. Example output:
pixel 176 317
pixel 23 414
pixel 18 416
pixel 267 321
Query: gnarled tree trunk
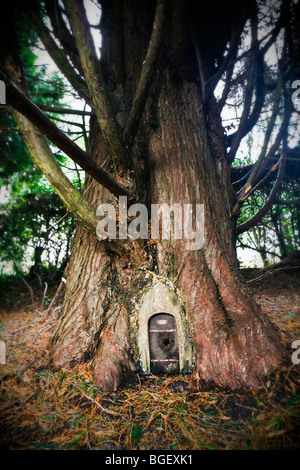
pixel 179 156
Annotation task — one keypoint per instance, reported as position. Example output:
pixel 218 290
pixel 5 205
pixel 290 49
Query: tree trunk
pixel 179 156
pixel 36 268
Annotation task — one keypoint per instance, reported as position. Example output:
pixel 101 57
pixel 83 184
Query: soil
pixel 277 291
pixel 42 408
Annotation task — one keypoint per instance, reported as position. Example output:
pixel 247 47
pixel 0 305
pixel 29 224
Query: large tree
pixel 156 136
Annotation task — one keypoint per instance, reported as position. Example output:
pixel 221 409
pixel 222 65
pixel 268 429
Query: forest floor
pixel 43 408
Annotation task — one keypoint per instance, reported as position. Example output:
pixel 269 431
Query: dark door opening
pixel 163 344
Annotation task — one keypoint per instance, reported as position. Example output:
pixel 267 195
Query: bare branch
pixel 228 83
pixel 265 178
pixel 26 107
pixel 260 90
pixel 227 60
pixel 58 110
pixel 57 54
pixel 266 207
pixel 242 196
pixel 43 158
pixel 62 33
pixel 284 12
pixel 259 250
pixel 291 202
pixel 248 90
pixel 110 128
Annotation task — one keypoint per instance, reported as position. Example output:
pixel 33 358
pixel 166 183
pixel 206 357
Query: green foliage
pixel 294 401
pixel 136 433
pixel 29 221
pixel 15 158
pixel 44 445
pixel 277 234
pixel 29 208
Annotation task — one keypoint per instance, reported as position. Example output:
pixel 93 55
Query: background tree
pixel 274 234
pixel 28 218
pixel 156 135
pixel 29 221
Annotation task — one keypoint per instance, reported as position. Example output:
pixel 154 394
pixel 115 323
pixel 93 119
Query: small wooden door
pixel 163 343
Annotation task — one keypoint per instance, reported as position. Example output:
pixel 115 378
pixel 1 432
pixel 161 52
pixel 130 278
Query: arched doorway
pixel 163 344
pixel 160 299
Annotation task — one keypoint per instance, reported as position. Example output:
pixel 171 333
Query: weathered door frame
pixel 160 298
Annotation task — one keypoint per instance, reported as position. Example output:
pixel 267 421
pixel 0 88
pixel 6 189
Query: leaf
pixel 294 401
pixel 231 424
pixel 76 440
pixel 35 394
pixel 259 402
pixel 44 445
pixel 43 374
pixel 136 433
pixel 276 423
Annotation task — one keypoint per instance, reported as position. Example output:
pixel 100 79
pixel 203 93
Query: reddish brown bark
pixel 179 156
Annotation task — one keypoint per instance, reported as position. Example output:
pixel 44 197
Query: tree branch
pixel 62 33
pixel 262 212
pixel 26 107
pixel 242 196
pixel 292 168
pixel 260 91
pixel 147 73
pixel 248 91
pixel 44 160
pixel 284 12
pixel 227 60
pixel 261 86
pixel 57 54
pixel 228 83
pixel 259 250
pixel 58 110
pixel 265 178
pixel 71 197
pixel 110 128
pixel 291 202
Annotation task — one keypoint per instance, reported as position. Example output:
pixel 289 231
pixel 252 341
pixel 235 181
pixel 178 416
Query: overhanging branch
pixel 266 207
pixel 42 157
pixel 71 197
pixel 62 33
pixel 26 107
pixel 244 193
pixel 110 128
pixel 58 110
pixel 286 202
pixel 57 54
